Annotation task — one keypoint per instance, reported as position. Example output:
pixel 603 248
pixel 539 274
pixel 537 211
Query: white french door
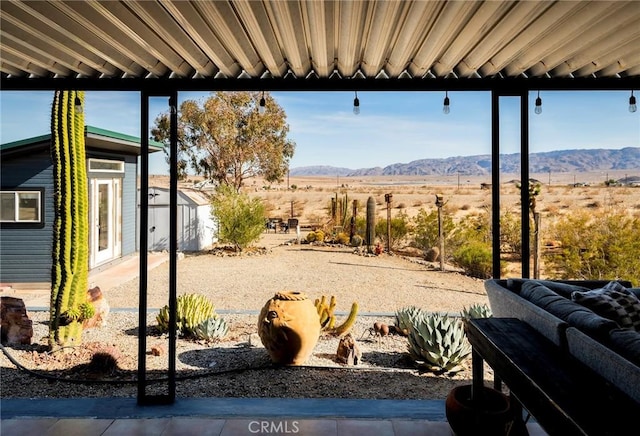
pixel 105 234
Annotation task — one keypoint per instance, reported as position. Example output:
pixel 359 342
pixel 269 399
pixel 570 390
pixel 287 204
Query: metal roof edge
pixel 153 145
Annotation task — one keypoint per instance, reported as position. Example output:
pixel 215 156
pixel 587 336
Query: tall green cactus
pixel 370 236
pixel 69 272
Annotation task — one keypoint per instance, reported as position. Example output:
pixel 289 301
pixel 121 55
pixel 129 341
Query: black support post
pixel 143 398
pixel 173 239
pixel 143 250
pixel 524 183
pixel 495 181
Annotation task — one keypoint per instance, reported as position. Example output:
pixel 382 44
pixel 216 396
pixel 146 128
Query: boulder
pixel 16 327
pixel 432 254
pixel 348 350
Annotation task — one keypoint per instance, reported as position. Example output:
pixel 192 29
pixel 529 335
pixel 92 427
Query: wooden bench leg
pixel 477 374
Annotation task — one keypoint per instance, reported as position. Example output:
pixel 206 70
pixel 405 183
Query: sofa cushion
pixel 563 289
pixel 614 302
pixel 619 370
pixel 627 343
pixel 569 311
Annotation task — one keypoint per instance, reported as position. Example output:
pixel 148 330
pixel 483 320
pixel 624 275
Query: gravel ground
pixel 239 365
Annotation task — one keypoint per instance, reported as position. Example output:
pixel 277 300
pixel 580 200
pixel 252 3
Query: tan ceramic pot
pixel 289 327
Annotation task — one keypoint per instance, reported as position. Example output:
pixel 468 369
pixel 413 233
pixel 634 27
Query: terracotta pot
pixel 492 416
pixel 289 327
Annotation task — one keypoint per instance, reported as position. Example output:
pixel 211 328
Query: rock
pixel 158 350
pixel 15 325
pixel 432 254
pixel 348 350
pixel 99 319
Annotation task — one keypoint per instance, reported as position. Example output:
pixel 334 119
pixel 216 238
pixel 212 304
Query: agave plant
pixel 476 311
pixel 404 316
pixel 438 343
pixel 211 329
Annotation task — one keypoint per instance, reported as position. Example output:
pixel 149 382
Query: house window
pixel 106 166
pixel 24 206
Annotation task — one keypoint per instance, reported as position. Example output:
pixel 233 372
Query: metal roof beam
pixel 159 85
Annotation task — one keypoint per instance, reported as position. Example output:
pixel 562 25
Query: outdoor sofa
pixel 583 374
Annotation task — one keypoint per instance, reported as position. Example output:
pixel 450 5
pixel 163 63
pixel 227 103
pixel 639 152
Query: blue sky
pixel 392 127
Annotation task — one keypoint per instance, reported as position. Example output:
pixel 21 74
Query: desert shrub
pixel 475 259
pixel 511 233
pixel 361 225
pixel 426 229
pixel 240 218
pixel 400 228
pixel 597 245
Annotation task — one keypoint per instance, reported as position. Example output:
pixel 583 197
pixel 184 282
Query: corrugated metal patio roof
pixel 305 40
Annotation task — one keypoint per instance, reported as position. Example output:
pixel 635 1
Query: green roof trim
pixel 121 136
pixel 23 142
pixel 153 145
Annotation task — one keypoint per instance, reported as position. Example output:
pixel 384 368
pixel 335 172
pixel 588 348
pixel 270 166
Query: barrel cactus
pixel 70 253
pixel 438 343
pixel 191 310
pixel 212 329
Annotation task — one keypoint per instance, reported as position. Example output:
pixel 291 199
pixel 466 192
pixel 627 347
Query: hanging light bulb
pixel 445 107
pixel 263 105
pixel 78 105
pixel 356 104
pixel 632 103
pixel 538 109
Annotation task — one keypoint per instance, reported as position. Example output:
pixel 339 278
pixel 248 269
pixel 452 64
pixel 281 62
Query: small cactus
pixel 328 319
pixel 356 241
pixel 192 309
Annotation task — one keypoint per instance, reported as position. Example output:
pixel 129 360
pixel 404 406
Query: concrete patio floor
pixel 227 417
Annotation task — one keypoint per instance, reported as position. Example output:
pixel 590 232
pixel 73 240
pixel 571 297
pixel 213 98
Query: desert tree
pixel 225 138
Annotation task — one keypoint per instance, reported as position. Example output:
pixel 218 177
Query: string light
pixel 263 105
pixel 538 109
pixel 632 103
pixel 356 104
pixel 446 105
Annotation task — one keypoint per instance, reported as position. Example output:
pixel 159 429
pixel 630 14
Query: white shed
pixel 197 229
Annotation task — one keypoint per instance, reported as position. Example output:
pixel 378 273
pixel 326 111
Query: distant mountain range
pixel 562 161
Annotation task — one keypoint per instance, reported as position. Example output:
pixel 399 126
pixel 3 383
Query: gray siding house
pixel 26 204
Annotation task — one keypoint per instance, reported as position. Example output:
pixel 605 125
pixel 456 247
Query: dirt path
pixel 379 284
